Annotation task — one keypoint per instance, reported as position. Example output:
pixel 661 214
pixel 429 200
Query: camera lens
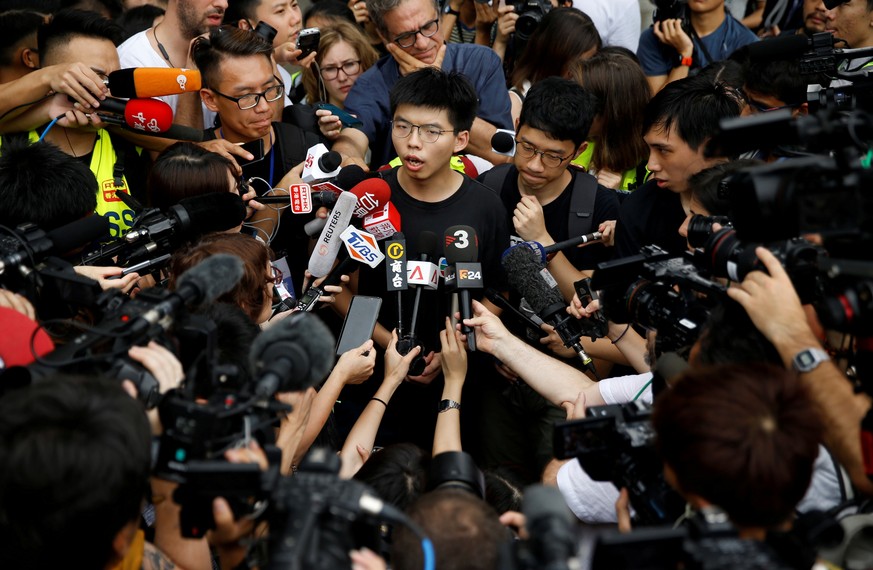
pixel 700 228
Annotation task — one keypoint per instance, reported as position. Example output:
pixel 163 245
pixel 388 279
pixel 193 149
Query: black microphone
pixel 348 177
pixel 463 272
pixel 545 251
pixel 291 355
pixel 427 246
pixel 503 142
pixel 781 48
pixel 531 280
pixel 395 273
pixel 550 525
pixel 322 198
pixel 61 240
pixel 205 282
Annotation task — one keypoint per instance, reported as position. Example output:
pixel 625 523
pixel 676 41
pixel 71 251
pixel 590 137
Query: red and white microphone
pixel 383 223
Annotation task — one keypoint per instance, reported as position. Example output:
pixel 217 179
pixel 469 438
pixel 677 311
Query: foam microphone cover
pixel 210 279
pixel 350 176
pixel 428 242
pixel 522 267
pixel 148 115
pixel 214 212
pixel 781 48
pixel 135 82
pixel 304 342
pixel 503 142
pixel 330 161
pixel 329 242
pixel 462 245
pixel 76 234
pixel 371 194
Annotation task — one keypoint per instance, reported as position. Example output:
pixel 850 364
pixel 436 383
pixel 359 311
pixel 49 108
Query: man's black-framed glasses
pixel 427 133
pixel 427 30
pixel 550 159
pixel 251 100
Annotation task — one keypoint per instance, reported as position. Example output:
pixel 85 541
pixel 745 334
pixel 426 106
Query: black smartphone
pixel 256 148
pixel 307 41
pixel 359 323
pixel 347 119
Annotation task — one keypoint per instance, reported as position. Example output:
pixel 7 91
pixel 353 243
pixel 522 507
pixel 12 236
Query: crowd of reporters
pixel 476 286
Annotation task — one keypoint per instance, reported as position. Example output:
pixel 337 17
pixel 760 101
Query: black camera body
pixel 670 10
pixel 530 14
pixel 616 443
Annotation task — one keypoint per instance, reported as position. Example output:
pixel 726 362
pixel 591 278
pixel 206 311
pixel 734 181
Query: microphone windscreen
pixel 502 142
pixel 210 279
pixel 329 242
pixel 462 245
pixel 302 338
pixel 427 244
pixel 523 271
pixel 371 194
pixel 135 82
pixel 214 212
pixel 350 176
pixel 330 161
pixel 781 48
pixel 76 234
pixel 149 115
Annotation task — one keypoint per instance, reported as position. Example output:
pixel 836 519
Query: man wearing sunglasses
pixel 411 32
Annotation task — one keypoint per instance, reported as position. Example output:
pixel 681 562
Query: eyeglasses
pixel 251 100
pixel 276 277
pixel 427 30
pixel 349 68
pixel 427 133
pixel 549 159
pixel 761 108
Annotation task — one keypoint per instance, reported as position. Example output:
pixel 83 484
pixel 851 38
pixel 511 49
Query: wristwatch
pixel 447 405
pixel 686 61
pixel 448 10
pixel 808 359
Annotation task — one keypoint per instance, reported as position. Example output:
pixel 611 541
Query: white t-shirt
pixel 138 52
pixel 617 21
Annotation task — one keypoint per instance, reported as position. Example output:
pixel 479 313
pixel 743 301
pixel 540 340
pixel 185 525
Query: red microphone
pixel 149 115
pixel 372 194
pixel 383 223
pixel 138 82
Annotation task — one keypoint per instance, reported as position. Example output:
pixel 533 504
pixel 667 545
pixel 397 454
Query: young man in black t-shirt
pixel 538 188
pixel 678 122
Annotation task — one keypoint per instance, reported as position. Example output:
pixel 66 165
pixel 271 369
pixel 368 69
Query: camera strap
pixel 695 39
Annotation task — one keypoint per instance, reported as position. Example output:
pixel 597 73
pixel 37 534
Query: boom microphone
pixel 781 48
pixel 329 242
pixel 545 251
pixel 291 355
pixel 532 280
pixel 138 82
pixel 60 240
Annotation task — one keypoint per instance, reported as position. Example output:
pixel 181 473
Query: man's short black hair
pixel 561 108
pixel 69 24
pixel 693 107
pixel 15 26
pixel 433 88
pixel 227 41
pixel 241 10
pixel 781 79
pixel 76 456
pixel 41 184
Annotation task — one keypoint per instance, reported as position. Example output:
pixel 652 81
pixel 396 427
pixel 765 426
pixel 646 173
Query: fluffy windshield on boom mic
pixel 135 82
pixel 523 270
pixel 292 355
pixel 209 213
pixel 209 279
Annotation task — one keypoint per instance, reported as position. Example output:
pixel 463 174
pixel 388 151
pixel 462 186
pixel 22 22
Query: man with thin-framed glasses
pixel 411 32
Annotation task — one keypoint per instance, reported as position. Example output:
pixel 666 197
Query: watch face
pixel 805 359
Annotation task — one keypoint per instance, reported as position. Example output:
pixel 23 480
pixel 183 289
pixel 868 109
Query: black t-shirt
pixel 650 215
pixel 473 205
pixel 556 217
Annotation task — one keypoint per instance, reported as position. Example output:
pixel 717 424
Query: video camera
pixel 616 443
pixel 670 10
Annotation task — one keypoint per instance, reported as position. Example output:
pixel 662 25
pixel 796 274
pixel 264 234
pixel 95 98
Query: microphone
pixel 291 355
pixel 317 199
pixel 421 274
pixel 346 179
pixel 310 297
pixel 545 251
pixel 463 273
pixel 150 115
pixel 503 142
pixel 550 525
pixel 383 223
pixel 349 178
pixel 529 277
pixel 320 164
pixel 138 82
pixel 371 194
pixel 205 282
pixel 395 273
pixel 39 244
pixel 329 242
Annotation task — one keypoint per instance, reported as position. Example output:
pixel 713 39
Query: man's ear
pixel 579 150
pixel 244 24
pixel 123 539
pixel 461 141
pixel 29 58
pixel 208 98
pixel 515 125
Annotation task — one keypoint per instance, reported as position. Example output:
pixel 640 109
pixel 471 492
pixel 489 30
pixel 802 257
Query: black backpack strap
pixel 580 218
pixel 496 177
pixel 293 144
